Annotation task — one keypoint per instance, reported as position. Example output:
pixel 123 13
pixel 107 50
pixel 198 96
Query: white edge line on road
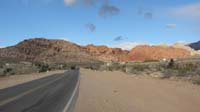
pixel 73 94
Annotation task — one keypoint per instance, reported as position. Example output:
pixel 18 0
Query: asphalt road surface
pixel 54 93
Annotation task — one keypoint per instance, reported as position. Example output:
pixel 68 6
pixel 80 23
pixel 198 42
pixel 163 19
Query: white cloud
pixel 191 10
pixel 171 25
pixel 70 2
pixel 127 45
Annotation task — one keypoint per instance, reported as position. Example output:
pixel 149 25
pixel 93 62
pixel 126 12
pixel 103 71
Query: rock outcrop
pixel 146 52
pixel 106 53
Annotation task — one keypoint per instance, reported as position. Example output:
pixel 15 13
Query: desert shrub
pixel 8 60
pixel 96 66
pixel 122 68
pixel 181 70
pixel 65 66
pixel 114 66
pixel 136 68
pixel 168 73
pixel 8 71
pixel 171 63
pixel 147 61
pixel 189 67
pixel 160 67
pixel 1 65
pixel 196 81
pixel 2 72
pixel 73 67
pixel 92 66
pixel 140 67
pixel 198 71
pixel 43 67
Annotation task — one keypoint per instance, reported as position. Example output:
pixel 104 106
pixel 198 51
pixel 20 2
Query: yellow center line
pixel 27 92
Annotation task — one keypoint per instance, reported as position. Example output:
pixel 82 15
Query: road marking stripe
pixel 28 92
pixel 73 94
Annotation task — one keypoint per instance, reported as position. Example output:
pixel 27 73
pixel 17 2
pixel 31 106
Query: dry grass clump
pixel 172 69
pixel 10 66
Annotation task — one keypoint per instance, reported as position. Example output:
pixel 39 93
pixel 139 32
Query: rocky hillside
pixel 195 46
pixel 60 51
pixel 146 52
pixel 106 53
pixel 44 50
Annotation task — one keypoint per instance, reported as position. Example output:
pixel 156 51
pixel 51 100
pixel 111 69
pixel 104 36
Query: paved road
pixel 49 94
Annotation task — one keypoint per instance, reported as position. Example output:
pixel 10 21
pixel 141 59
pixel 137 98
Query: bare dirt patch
pixel 118 92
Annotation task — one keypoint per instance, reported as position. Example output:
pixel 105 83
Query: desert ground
pixel 119 92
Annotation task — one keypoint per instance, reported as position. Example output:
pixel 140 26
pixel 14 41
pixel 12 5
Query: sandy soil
pixel 118 92
pixel 10 81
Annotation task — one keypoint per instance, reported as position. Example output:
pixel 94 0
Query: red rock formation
pixel 145 52
pixel 105 53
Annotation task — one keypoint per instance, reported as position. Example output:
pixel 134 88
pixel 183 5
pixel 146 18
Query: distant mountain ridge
pixel 60 51
pixel 195 46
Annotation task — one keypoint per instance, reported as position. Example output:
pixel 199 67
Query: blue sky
pixel 107 22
